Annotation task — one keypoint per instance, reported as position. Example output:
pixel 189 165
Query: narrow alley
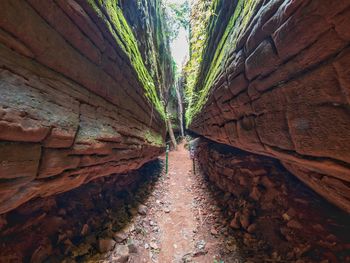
pixel 179 211
pixel 174 223
pixel 253 94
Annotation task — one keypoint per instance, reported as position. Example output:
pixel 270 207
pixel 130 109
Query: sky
pixel 176 1
pixel 179 47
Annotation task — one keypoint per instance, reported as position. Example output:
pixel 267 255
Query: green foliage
pixel 112 15
pixel 178 15
pixel 235 28
pixel 204 10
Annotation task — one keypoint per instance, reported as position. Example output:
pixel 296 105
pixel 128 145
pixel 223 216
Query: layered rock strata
pixel 72 102
pixel 70 226
pixel 275 216
pixel 282 89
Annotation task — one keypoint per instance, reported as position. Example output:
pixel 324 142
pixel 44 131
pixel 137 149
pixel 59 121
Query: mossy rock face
pixel 200 20
pixel 149 26
pixel 148 71
pixel 226 22
pixel 154 139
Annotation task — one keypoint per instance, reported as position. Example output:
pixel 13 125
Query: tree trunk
pixel 179 102
pixel 171 133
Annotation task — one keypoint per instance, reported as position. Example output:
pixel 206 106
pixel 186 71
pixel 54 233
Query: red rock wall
pixel 264 204
pixel 71 107
pixel 285 92
pixel 53 229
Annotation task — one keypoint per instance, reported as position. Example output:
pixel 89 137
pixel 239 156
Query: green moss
pixel 154 138
pixel 115 21
pixel 235 28
pixel 204 10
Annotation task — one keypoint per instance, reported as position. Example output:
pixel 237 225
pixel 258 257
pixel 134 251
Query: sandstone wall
pixel 265 204
pixel 68 226
pixel 72 107
pixel 148 24
pixel 283 90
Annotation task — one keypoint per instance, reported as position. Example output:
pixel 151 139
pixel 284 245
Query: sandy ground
pixel 181 220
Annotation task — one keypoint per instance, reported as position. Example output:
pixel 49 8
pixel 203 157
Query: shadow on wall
pixel 77 224
pixel 275 216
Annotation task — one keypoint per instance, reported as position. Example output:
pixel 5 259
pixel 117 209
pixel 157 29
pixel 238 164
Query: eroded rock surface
pixel 72 107
pixel 273 214
pixel 81 225
pixel 282 90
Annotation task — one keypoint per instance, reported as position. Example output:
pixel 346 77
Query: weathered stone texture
pixel 71 106
pixel 263 199
pixel 288 93
pixel 104 205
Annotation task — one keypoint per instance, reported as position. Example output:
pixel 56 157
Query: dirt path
pixel 181 219
pixel 178 225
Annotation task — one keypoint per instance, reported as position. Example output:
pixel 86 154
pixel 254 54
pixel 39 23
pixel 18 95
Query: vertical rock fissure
pixel 93 93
